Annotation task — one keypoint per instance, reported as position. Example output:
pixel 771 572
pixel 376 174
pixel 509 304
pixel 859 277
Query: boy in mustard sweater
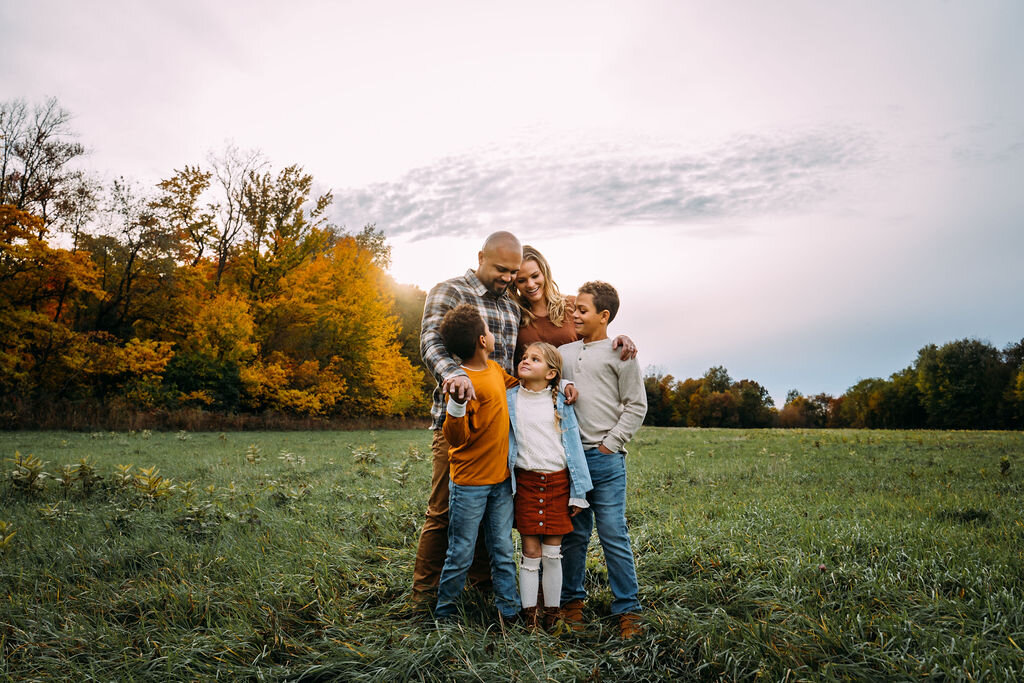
pixel 481 487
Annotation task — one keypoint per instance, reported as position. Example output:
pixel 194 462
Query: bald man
pixel 487 289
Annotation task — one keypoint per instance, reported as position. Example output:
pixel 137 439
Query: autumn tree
pixel 39 351
pixel 806 411
pixel 682 396
pixel 659 388
pixel 232 170
pixel 180 205
pixel 754 405
pixel 713 400
pixel 135 258
pixel 408 307
pixel 37 147
pixel 375 242
pixel 716 379
pixel 1013 393
pixel 330 341
pixel 866 404
pixel 284 228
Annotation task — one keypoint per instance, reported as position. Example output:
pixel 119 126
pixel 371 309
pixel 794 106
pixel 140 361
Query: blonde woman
pixel 546 314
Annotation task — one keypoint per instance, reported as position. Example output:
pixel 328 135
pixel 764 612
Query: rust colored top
pixel 543 330
pixel 478 437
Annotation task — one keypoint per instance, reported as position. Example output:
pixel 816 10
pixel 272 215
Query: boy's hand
pixel 604 450
pixel 628 347
pixel 459 388
pixel 573 510
pixel 570 394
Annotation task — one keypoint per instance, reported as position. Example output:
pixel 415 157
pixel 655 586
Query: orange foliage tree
pixel 39 289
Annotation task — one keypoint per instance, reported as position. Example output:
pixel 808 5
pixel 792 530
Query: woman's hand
pixel 573 510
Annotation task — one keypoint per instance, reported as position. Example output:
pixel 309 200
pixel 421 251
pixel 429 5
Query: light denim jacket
pixel 579 475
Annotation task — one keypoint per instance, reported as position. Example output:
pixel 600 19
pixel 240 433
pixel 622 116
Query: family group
pixel 534 406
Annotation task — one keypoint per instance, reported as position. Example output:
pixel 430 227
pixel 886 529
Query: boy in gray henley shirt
pixel 611 407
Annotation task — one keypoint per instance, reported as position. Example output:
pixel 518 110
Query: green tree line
pixel 964 384
pixel 224 288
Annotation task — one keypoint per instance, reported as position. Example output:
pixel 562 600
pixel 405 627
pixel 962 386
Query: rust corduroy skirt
pixel 542 503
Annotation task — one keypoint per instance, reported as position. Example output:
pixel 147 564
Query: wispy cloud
pixel 600 186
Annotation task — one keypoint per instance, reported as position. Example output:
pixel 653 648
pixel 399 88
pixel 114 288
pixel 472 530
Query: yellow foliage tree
pixel 223 328
pixel 335 310
pixel 142 363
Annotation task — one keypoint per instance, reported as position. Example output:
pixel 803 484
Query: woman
pixel 547 314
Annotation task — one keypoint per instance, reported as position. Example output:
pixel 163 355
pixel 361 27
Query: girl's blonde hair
pixel 554 299
pixel 553 359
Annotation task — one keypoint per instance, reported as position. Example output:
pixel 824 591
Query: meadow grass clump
pixel 761 554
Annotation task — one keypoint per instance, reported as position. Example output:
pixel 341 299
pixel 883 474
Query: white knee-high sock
pixel 552 563
pixel 529 578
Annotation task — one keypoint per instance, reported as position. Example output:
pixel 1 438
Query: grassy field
pixel 784 555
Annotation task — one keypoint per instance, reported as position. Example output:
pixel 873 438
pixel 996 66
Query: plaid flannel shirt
pixel 500 313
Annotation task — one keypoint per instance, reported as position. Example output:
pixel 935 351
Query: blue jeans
pixel 467 507
pixel 608 509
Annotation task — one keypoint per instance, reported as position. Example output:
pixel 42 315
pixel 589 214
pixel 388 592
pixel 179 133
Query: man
pixel 487 289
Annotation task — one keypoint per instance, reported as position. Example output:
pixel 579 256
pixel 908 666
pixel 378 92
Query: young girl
pixel 550 476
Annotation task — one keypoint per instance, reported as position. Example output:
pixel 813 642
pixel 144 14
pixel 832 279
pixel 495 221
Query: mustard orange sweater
pixel 478 440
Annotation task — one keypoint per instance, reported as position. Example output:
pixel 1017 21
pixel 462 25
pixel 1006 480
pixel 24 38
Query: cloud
pixel 574 189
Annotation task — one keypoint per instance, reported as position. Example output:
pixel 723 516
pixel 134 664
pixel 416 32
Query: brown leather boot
pixel 630 626
pixel 531 618
pixel 551 617
pixel 572 614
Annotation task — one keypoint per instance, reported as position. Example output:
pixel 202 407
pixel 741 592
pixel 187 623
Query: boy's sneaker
pixel 630 626
pixel 572 614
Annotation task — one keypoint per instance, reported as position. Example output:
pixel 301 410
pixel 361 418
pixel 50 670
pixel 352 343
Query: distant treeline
pixel 224 290
pixel 965 384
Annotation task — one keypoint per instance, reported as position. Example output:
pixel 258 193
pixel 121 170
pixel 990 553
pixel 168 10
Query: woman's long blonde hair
pixel 553 297
pixel 553 359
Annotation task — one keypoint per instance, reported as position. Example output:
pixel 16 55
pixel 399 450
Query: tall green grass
pixel 288 556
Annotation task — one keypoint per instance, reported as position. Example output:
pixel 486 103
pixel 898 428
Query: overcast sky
pixel 804 192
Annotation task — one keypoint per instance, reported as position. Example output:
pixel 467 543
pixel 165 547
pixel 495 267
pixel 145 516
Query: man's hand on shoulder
pixel 628 347
pixel 570 394
pixel 459 388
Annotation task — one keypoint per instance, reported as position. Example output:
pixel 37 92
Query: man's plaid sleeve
pixel 442 298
